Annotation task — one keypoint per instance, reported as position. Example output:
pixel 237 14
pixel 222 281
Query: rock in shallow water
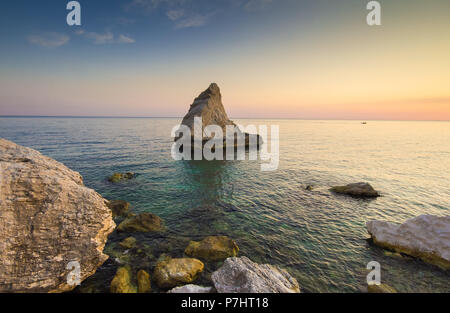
pixel 121 282
pixel 240 275
pixel 191 289
pixel 117 177
pixel 144 222
pixel 381 288
pixel 48 218
pixel 363 190
pixel 143 279
pixel 212 248
pixel 119 207
pixel 426 237
pixel 170 272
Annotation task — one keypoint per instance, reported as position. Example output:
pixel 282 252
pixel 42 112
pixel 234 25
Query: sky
pixel 306 59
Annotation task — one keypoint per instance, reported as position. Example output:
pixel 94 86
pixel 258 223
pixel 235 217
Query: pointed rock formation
pixel 208 105
pixel 49 221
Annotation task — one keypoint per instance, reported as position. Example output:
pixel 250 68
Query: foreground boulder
pixel 191 289
pixel 48 219
pixel 426 237
pixel 170 272
pixel 363 190
pixel 121 282
pixel 208 105
pixel 144 222
pixel 240 275
pixel 144 285
pixel 212 248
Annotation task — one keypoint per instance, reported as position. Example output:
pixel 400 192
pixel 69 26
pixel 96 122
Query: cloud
pixel 106 38
pixel 49 40
pixel 195 20
pixel 174 15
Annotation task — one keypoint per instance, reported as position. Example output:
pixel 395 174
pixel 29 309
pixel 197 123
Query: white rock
pixel 48 219
pixel 425 236
pixel 240 275
pixel 191 289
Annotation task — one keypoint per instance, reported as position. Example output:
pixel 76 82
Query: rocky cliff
pixel 48 219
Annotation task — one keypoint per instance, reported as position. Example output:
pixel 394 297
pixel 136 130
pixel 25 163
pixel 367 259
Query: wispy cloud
pixel 195 20
pixel 106 38
pixel 175 14
pixel 49 40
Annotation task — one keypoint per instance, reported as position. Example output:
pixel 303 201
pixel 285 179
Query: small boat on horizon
pixel 364 123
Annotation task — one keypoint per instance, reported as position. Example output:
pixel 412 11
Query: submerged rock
pixel 381 288
pixel 240 275
pixel 212 248
pixel 170 272
pixel 117 177
pixel 426 237
pixel 208 105
pixel 119 208
pixel 143 279
pixel 128 243
pixel 121 282
pixel 364 190
pixel 48 219
pixel 144 222
pixel 191 289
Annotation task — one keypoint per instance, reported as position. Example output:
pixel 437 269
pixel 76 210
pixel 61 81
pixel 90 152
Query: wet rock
pixel 212 248
pixel 121 282
pixel 119 208
pixel 128 243
pixel 363 190
pixel 309 187
pixel 117 177
pixel 240 275
pixel 48 219
pixel 144 222
pixel 426 237
pixel 170 272
pixel 381 288
pixel 191 289
pixel 143 279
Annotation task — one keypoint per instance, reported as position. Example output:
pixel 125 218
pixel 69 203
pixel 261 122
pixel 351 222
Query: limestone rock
pixel 426 237
pixel 212 248
pixel 118 207
pixel 240 275
pixel 117 177
pixel 364 190
pixel 170 272
pixel 143 279
pixel 191 289
pixel 121 282
pixel 208 105
pixel 48 219
pixel 381 288
pixel 144 222
pixel 128 243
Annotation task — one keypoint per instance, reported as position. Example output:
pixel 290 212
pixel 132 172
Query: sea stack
pixel 50 223
pixel 208 106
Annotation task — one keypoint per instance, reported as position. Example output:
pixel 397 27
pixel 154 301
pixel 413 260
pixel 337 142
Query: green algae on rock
pixel 117 177
pixel 144 222
pixel 128 243
pixel 143 279
pixel 212 248
pixel 121 282
pixel 381 288
pixel 171 273
pixel 118 208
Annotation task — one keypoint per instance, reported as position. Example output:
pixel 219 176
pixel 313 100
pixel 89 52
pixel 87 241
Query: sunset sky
pixel 309 59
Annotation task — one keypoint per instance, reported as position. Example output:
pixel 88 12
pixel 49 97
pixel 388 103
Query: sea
pixel 319 237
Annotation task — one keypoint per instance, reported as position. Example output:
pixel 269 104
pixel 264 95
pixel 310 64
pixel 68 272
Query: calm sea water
pixel 319 237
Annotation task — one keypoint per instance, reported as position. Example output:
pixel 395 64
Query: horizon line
pixel 248 118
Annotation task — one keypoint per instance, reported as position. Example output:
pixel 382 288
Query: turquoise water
pixel 319 237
